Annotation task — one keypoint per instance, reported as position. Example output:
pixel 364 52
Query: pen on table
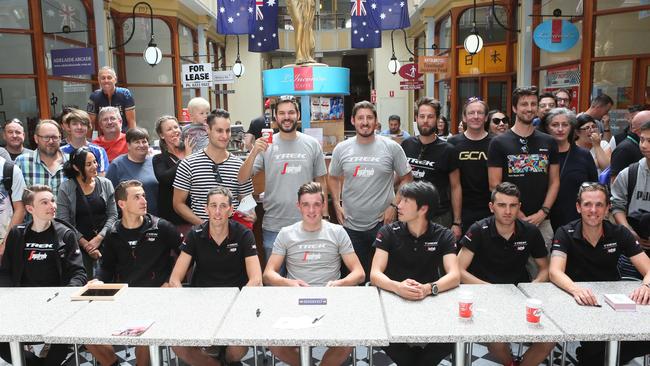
pixel 53 296
pixel 317 319
pixel 598 305
pixel 258 312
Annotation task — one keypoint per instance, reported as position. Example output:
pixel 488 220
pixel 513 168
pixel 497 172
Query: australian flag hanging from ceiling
pixel 235 16
pixel 390 14
pixel 365 33
pixel 264 32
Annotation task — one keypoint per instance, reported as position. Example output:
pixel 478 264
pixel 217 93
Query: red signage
pixel 303 78
pixel 411 85
pixel 410 72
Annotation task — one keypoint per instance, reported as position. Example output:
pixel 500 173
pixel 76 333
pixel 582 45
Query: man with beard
pixel 436 161
pixel 361 177
pixel 529 159
pixel 45 164
pixel 293 160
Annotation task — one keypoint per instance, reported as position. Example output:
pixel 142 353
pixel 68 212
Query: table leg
pixel 17 356
pixel 76 354
pixel 305 356
pixel 460 354
pixel 371 360
pixel 612 353
pixel 255 355
pixel 154 355
pixel 564 345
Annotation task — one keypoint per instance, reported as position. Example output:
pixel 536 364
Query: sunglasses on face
pixel 504 120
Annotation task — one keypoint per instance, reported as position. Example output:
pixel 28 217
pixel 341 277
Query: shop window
pixel 622 34
pixel 443 97
pixel 19 60
pixel 14 14
pixel 151 103
pixel 69 93
pixel 614 78
pixel 444 37
pixel 467 88
pixel 18 100
pixel 65 14
pixel 142 35
pixel 186 42
pixel 572 54
pixel 568 7
pixel 486 24
pixel 616 4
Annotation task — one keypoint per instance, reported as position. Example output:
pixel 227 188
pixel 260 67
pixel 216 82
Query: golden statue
pixel 302 18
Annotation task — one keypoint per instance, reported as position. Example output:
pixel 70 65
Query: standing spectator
pixel 206 169
pixel 172 151
pixel 110 95
pixel 12 210
pixel 292 160
pixel 472 148
pixel 436 161
pixel 78 123
pixel 599 107
pixel 405 264
pixel 394 128
pixel 628 151
pixel 528 158
pixel 197 131
pixel 443 128
pixel 498 122
pixel 588 137
pixel 619 137
pixel 14 135
pixel 562 98
pixel 576 165
pixel 87 202
pixel 136 164
pixel 112 139
pixel 45 164
pixel 546 103
pixel 361 178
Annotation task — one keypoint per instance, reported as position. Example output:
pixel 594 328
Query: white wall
pixel 246 103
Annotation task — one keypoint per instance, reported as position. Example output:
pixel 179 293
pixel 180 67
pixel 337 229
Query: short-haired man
pixel 472 148
pixel 588 250
pixel 600 106
pixel 45 164
pixel 42 253
pixel 14 135
pixel 394 128
pixel 137 251
pixel 109 94
pixel 529 159
pixel 407 262
pixel 546 103
pixel 78 123
pixel 562 98
pixel 632 111
pixel 112 139
pixel 361 176
pixel 436 161
pixel 628 151
pixel 293 159
pixel 496 250
pixel 214 166
pixel 313 250
pixel 136 164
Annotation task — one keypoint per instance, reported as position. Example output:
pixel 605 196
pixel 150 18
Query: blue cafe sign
pixel 556 35
pixel 306 80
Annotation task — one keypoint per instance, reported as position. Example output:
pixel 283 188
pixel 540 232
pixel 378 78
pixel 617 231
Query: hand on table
pixel 585 296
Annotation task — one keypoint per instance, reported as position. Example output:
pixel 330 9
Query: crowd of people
pixel 417 215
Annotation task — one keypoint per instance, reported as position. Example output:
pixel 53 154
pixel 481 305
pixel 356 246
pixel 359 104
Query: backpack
pixel 632 173
pixel 8 177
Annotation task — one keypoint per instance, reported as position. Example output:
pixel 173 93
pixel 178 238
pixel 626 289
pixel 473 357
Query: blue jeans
pixel 268 238
pixel 362 242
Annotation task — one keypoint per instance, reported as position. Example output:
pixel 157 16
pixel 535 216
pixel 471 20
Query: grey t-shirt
pixel 367 170
pixel 287 165
pixel 314 257
pixel 198 134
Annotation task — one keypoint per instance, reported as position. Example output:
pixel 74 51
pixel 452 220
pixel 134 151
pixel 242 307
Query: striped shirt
pixel 36 172
pixel 196 175
pixel 98 151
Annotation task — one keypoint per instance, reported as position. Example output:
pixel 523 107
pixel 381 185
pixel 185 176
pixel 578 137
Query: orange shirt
pixel 114 148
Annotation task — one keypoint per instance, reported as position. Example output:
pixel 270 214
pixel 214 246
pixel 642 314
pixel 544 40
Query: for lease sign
pixel 196 75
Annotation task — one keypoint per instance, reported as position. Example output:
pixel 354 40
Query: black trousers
pixel 55 356
pixel 404 355
pixel 593 353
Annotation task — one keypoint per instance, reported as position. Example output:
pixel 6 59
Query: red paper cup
pixel 465 304
pixel 533 311
pixel 267 133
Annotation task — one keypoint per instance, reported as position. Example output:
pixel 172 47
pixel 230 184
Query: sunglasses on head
pixel 524 145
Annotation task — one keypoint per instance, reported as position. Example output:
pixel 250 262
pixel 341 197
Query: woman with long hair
pixel 497 122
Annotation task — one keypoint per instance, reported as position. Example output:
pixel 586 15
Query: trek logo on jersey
pixel 133 243
pixel 423 163
pixel 520 245
pixel 36 256
pixel 290 156
pixel 311 246
pixel 232 247
pixel 42 246
pixel 310 257
pixel 364 159
pixel 610 247
pixel 288 169
pixel 363 172
pixel 430 246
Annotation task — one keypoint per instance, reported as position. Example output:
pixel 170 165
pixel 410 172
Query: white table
pixel 26 314
pixel 499 316
pixel 588 323
pixel 352 316
pixel 182 317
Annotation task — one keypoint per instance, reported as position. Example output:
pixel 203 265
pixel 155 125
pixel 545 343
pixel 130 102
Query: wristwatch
pixel 545 210
pixel 393 206
pixel 647 285
pixel 326 217
pixel 434 289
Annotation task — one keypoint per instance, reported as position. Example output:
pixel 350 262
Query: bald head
pixel 638 121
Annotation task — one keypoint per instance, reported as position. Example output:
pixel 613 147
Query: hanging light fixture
pixel 152 54
pixel 473 43
pixel 238 68
pixel 394 64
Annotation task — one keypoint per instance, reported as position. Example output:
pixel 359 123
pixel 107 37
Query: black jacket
pixel 68 260
pixel 149 263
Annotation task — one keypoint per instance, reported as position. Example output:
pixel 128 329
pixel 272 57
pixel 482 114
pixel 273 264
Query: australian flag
pixel 390 14
pixel 365 32
pixel 263 36
pixel 235 16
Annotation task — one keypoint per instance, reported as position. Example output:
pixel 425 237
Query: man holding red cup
pixel 415 246
pixel 496 250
